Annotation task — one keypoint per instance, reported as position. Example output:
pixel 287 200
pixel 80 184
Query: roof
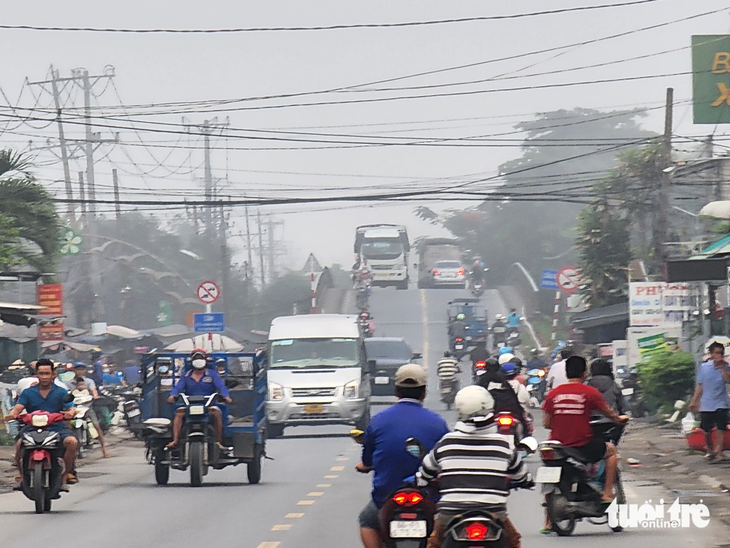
pixel 720 247
pixel 314 326
pixel 615 313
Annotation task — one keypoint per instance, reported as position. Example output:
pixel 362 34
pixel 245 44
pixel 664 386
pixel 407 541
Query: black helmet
pixel 447 354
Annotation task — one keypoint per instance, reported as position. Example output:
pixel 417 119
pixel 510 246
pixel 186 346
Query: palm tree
pixel 29 224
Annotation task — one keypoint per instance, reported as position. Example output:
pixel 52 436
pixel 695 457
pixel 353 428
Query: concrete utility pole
pixel 117 205
pixel 261 249
pixel 666 181
pixel 208 179
pixel 248 245
pixel 62 142
pixel 82 195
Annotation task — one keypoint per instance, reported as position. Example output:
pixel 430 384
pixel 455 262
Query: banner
pixel 645 304
pixel 50 332
pixel 50 296
pixel 652 344
pixel 711 79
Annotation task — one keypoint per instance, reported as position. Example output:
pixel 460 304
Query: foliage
pixel 29 224
pixel 604 254
pixel 541 233
pixel 666 377
pixel 340 277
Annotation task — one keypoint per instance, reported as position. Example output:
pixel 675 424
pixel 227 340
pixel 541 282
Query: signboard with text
pixel 549 279
pixel 50 332
pixel 50 296
pixel 711 78
pixel 209 323
pixel 645 304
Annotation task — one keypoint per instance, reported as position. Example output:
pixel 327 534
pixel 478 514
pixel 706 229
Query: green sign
pixel 711 78
pixel 649 346
pixel 70 242
pixel 164 316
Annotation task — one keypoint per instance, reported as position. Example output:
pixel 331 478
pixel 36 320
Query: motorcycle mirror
pixel 416 448
pixel 528 444
pixel 486 270
pixel 357 435
pixel 416 356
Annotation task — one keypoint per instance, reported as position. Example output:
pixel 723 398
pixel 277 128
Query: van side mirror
pixel 372 366
pixel 416 356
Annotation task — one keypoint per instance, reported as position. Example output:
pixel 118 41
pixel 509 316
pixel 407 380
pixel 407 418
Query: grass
pixel 544 328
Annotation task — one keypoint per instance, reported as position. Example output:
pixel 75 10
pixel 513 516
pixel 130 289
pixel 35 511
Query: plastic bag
pixel 688 424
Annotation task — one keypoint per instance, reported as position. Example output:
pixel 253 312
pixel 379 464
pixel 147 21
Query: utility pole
pixel 248 245
pixel 272 253
pixel 62 142
pixel 261 250
pixel 208 179
pixel 117 205
pixel 82 195
pixel 666 181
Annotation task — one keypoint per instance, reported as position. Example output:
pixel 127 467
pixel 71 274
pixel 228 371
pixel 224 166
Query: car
pixel 448 274
pixel 388 353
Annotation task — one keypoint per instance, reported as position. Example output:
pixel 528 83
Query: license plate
pixel 408 529
pixel 133 413
pixel 382 380
pixel 499 330
pixel 627 391
pixel 313 408
pixel 548 474
pixel 197 409
pixel 459 346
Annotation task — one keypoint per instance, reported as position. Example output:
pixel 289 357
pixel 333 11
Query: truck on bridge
pixel 384 249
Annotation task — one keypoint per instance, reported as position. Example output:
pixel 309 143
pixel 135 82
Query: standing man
pixel 513 320
pixel 710 399
pixel 557 376
pixel 384 445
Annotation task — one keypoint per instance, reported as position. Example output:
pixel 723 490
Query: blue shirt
pixel 210 383
pixel 714 389
pixel 384 444
pixel 513 320
pixel 113 378
pixel 31 399
pixel 132 374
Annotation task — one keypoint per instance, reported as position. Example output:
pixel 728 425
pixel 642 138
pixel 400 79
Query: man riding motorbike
pixel 383 446
pixel 475 464
pixel 510 370
pixel 47 396
pixel 567 414
pixel 199 381
pixel 366 323
pixel 504 396
pixel 80 371
pixel 447 369
pixel 457 329
pixel 477 272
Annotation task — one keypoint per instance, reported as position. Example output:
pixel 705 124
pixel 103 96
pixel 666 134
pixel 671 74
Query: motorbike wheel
pixel 47 505
pixel 196 463
pixel 162 471
pixel 253 468
pixel 39 494
pixel 449 403
pixel 363 422
pixel 563 528
pixel 618 490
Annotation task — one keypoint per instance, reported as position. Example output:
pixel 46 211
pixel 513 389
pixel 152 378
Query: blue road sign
pixel 209 323
pixel 549 279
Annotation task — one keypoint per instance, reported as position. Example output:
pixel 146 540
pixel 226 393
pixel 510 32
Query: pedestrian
pixel 710 399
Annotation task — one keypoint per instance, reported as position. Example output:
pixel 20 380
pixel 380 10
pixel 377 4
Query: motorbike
pixel 573 489
pixel 478 369
pixel 365 327
pixel 513 338
pixel 499 334
pixel 477 288
pixel 448 389
pixel 81 425
pixel 458 347
pixel 536 386
pixel 41 463
pixel 362 297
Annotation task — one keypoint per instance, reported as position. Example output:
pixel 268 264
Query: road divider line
pixel 294 515
pixel 315 494
pixel 324 485
pixel 342 458
pixel 281 527
pixel 337 469
pixel 331 477
pixel 305 503
pixel 269 545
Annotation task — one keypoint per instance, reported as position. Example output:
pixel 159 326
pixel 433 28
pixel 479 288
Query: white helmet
pixel 499 317
pixel 504 358
pixel 473 401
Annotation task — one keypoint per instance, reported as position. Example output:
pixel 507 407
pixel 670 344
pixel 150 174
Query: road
pixel 310 494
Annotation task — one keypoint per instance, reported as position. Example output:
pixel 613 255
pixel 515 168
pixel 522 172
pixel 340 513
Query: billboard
pixel 50 296
pixel 640 341
pixel 655 304
pixel 50 332
pixel 711 78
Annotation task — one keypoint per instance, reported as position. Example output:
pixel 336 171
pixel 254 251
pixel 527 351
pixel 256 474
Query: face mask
pixel 198 364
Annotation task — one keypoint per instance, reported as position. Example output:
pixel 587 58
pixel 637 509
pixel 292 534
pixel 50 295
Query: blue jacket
pixel 210 383
pixel 385 440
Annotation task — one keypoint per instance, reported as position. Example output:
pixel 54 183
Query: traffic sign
pixel 568 279
pixel 209 323
pixel 549 279
pixel 208 292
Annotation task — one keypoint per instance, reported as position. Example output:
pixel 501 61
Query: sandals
pixel 546 531
pixel 709 456
pixel 71 479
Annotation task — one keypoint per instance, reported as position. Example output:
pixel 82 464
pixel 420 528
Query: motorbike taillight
pixel 407 498
pixel 480 365
pixel 505 421
pixel 436 272
pixel 476 531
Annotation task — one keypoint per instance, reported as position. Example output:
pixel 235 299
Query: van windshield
pixel 314 353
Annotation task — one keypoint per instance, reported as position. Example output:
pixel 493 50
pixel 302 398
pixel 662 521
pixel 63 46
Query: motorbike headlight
pixel 351 389
pixel 39 421
pixel 276 391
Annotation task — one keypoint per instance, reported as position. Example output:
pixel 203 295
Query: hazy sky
pixel 169 68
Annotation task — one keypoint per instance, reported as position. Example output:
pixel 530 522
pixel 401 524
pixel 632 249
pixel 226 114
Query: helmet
pixel 509 369
pixel 534 351
pixel 473 401
pixel 198 352
pixel 460 316
pixel 505 350
pixel 198 358
pixel 447 354
pixel 504 358
pixel 498 318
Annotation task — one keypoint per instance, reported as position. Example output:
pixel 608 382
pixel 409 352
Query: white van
pixel 317 372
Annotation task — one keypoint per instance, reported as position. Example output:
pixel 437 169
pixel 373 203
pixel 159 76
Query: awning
pixel 79 347
pixel 123 332
pixel 716 210
pixel 607 315
pixel 720 247
pixel 219 343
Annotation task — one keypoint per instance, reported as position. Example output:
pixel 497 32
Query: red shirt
pixel 570 406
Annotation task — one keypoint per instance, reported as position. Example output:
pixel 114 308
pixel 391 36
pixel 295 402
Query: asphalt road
pixel 310 494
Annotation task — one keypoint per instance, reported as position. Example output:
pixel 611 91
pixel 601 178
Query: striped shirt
pixel 447 369
pixel 473 464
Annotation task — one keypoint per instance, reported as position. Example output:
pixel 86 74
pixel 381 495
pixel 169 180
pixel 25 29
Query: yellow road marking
pixel 342 458
pixel 281 527
pixel 269 545
pixel 294 515
pixel 315 494
pixel 424 319
pixel 324 485
pixel 305 503
pixel 337 468
pixel 331 477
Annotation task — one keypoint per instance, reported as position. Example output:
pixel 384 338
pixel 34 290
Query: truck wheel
pixel 253 468
pixel 196 463
pixel 39 494
pixel 402 285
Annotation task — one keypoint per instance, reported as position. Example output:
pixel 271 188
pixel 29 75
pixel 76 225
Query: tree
pixel 29 224
pixel 666 377
pixel 604 254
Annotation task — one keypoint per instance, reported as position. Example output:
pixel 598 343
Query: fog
pixel 164 68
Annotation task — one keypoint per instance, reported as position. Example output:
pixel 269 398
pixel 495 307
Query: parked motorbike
pixel 448 389
pixel 573 488
pixel 41 463
pixel 81 425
